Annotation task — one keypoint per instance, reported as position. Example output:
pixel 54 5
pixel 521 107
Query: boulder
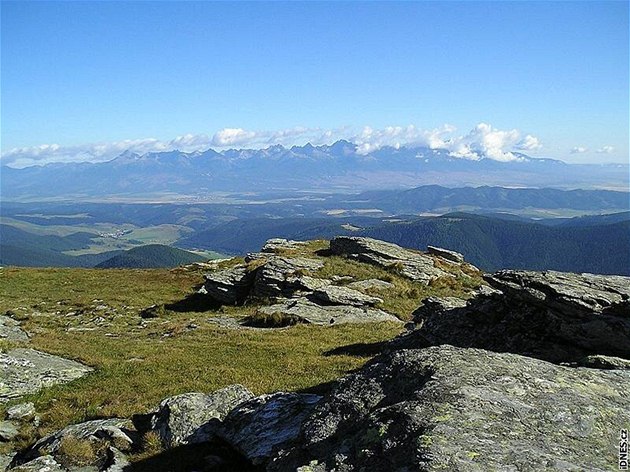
pixel 40 464
pixel 282 276
pixel 276 245
pixel 187 418
pixel 24 371
pixel 229 286
pixel 451 408
pixel 10 330
pixel 22 411
pixel 306 311
pixel 8 430
pixel 115 431
pixel 411 264
pixel 451 256
pixel 261 426
pixel 334 295
pixel 549 315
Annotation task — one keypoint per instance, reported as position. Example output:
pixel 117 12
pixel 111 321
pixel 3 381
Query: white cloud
pixel 578 150
pixel 482 140
pixel 529 143
pixel 232 137
pixel 605 150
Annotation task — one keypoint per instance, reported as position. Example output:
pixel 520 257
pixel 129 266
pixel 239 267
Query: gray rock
pixel 113 430
pixel 411 264
pixel 187 418
pixel 40 464
pixel 335 295
pixel 371 284
pixel 25 371
pixel 446 254
pixel 276 245
pixel 5 460
pixel 22 411
pixel 312 313
pixel 10 330
pixel 116 461
pixel 448 408
pixel 568 292
pixel 229 286
pixel 8 430
pixel 265 424
pixel 604 362
pixel 282 276
pixel 436 305
pixel 554 316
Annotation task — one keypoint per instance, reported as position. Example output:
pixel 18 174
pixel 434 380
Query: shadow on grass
pixel 215 456
pixel 195 302
pixel 358 349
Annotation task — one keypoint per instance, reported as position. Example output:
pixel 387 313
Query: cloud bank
pixel 482 141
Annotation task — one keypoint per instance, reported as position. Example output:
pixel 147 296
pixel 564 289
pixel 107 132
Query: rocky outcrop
pixel 305 311
pixel 188 418
pixel 24 371
pixel 566 292
pixel 450 408
pixel 264 425
pixel 411 264
pixel 229 286
pixel 293 290
pixel 282 276
pixel 549 315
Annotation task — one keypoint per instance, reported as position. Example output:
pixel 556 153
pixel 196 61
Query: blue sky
pixel 85 80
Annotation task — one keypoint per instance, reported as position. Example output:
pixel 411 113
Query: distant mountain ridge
pixel 597 244
pixel 338 166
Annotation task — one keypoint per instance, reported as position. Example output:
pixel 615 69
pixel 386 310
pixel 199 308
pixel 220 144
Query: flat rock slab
pixel 411 264
pixel 446 254
pixel 265 424
pixel 449 408
pixel 276 245
pixel 335 295
pixel 576 293
pixel 24 371
pixel 10 330
pixel 309 312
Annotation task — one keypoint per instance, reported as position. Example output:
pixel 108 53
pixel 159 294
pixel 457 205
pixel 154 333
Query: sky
pixel 87 80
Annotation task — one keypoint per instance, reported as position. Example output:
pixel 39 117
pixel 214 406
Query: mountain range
pixel 338 167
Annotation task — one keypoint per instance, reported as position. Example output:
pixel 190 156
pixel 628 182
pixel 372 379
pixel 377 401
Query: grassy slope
pixel 151 256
